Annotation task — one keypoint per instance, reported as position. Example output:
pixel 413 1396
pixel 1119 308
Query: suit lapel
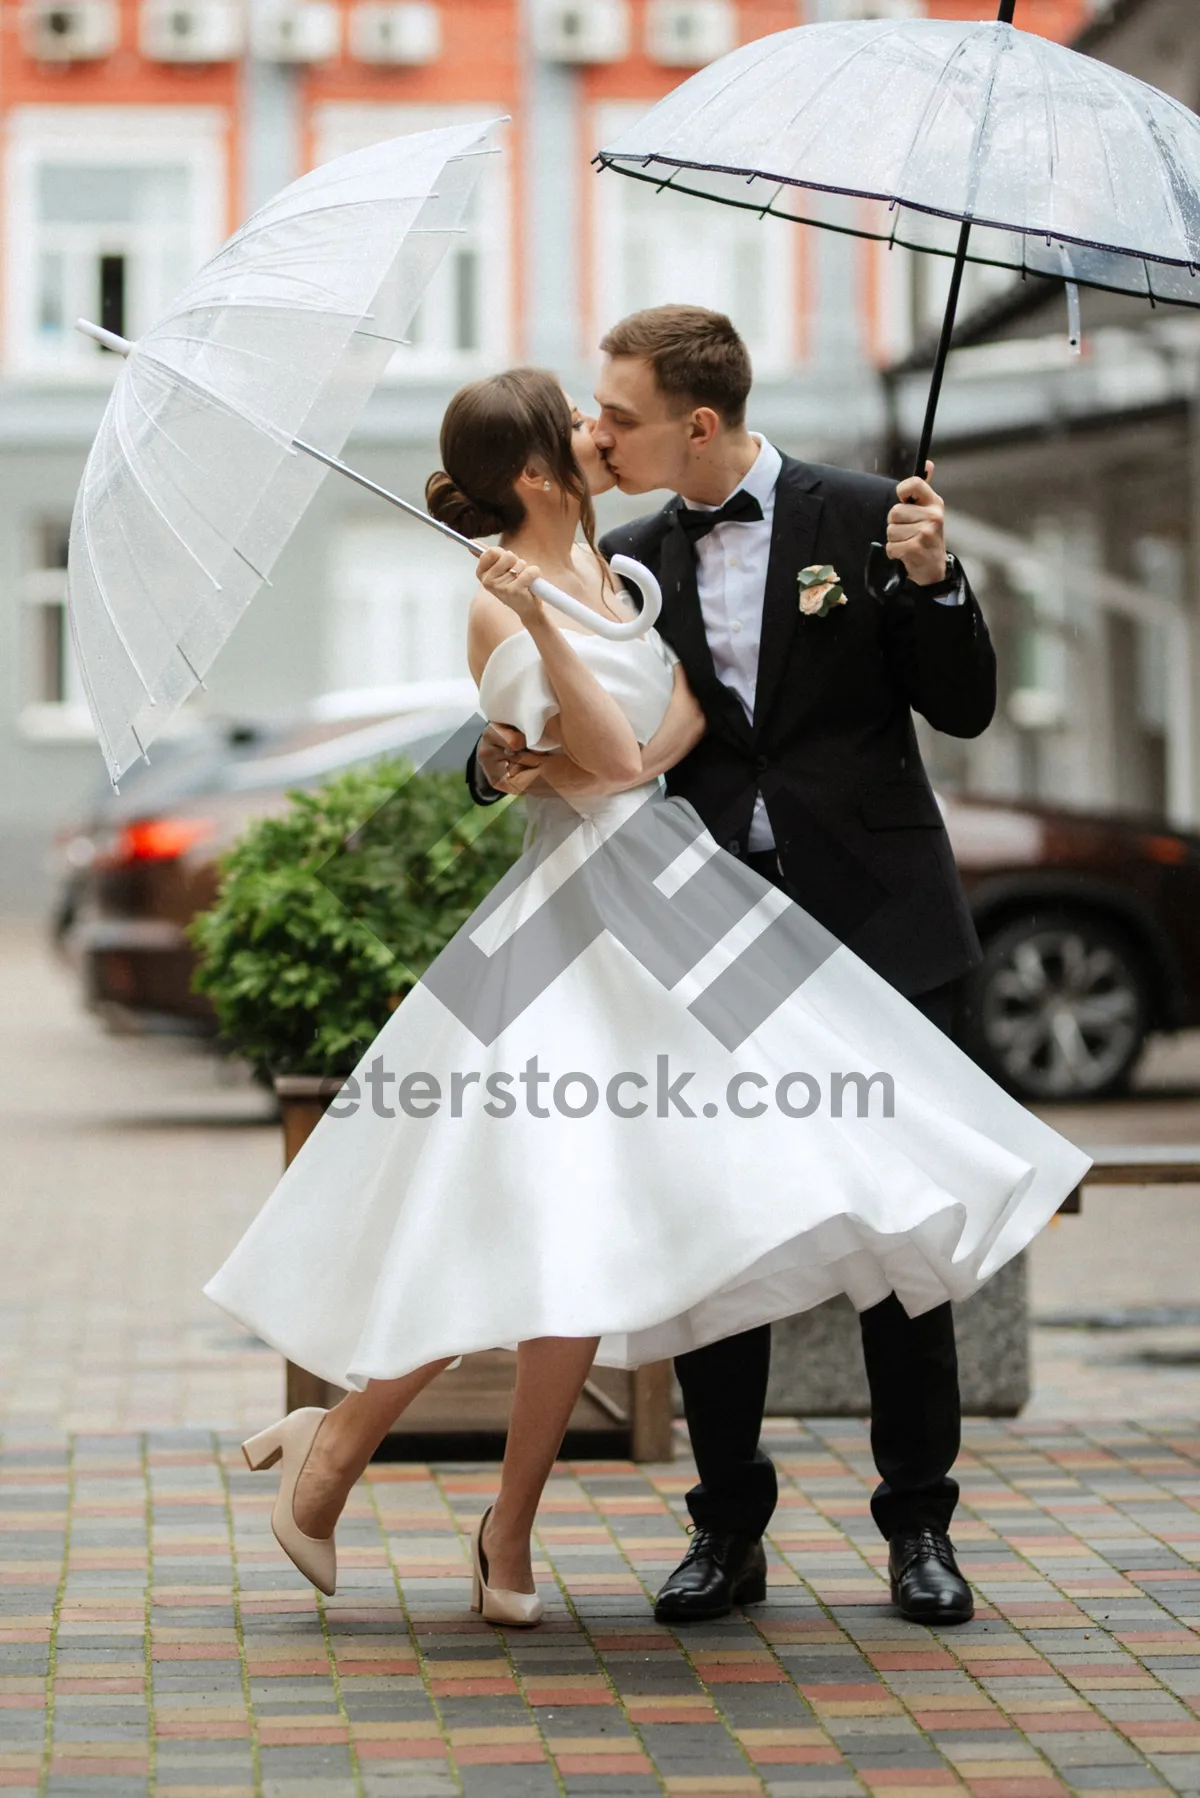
pixel 683 626
pixel 793 547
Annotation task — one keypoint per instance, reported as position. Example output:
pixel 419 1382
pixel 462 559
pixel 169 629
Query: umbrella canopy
pixel 193 485
pixel 1061 165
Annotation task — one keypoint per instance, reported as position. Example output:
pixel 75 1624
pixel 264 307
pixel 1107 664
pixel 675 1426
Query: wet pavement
pixel 153 1639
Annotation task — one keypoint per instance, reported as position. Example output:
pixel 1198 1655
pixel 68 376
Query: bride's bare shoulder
pixel 489 621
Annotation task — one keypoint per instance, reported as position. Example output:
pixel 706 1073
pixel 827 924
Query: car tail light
pixel 157 839
pixel 1173 851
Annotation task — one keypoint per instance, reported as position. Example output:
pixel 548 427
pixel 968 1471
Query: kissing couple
pixel 736 904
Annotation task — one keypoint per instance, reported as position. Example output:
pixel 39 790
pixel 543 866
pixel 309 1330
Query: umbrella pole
pixel 884 576
pixel 625 566
pixel 1003 17
pixel 943 349
pixel 393 499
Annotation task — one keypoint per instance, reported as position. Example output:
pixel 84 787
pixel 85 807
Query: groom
pixel 810 772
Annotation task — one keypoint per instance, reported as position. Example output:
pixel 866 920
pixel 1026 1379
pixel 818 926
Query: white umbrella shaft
pixel 545 590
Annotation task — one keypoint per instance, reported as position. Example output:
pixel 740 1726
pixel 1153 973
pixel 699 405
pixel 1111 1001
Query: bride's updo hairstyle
pixel 492 430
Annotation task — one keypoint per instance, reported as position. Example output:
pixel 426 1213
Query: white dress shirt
pixel 731 580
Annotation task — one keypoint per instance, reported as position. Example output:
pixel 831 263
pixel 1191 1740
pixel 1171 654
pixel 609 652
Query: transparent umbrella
pixel 228 413
pixel 973 141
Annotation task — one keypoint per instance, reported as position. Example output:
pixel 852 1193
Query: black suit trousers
pixel 912 1372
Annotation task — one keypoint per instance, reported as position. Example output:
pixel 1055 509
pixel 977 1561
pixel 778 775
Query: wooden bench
pixel 464 1413
pixel 1137 1164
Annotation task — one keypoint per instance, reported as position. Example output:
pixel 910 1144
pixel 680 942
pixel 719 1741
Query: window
pixel 400 601
pixel 911 291
pixel 462 325
pixel 52 694
pixel 447 327
pixel 110 213
pixel 113 246
pixel 652 247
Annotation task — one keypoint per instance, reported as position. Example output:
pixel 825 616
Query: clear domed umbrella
pixel 973 141
pixel 229 411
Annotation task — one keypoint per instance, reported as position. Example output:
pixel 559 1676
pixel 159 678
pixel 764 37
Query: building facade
pixel 136 134
pixel 1074 479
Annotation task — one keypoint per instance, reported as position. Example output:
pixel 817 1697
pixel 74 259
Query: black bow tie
pixel 741 508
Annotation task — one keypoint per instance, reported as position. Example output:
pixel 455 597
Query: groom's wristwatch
pixel 949 583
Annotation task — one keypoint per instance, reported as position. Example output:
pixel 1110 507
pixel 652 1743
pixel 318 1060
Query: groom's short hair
pixel 697 356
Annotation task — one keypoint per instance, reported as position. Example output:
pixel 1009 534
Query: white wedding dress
pixel 625 946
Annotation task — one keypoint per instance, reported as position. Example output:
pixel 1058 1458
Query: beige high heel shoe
pixel 520 1610
pixel 291 1440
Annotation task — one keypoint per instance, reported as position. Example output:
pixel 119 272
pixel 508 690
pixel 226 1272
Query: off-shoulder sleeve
pixel 514 690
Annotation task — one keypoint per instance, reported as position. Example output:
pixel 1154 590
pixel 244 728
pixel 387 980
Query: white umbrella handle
pixel 630 570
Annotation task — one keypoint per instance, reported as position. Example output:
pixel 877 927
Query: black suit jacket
pixel 832 747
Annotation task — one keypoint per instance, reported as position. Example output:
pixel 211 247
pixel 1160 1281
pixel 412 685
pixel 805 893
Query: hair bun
pixel 450 505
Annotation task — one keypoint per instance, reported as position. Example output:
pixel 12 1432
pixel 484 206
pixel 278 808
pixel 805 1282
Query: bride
pixel 609 1130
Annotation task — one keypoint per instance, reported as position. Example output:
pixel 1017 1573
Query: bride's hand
pixel 510 580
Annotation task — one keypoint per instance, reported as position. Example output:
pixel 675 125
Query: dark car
pixel 1088 921
pixel 144 862
pixel 1088 924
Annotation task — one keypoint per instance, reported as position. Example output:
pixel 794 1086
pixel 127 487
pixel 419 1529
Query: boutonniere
pixel 820 589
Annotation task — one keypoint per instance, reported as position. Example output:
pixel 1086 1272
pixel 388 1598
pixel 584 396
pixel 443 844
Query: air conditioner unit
pixel 192 30
pixel 581 30
pixel 685 34
pixel 408 32
pixel 295 30
pixel 69 30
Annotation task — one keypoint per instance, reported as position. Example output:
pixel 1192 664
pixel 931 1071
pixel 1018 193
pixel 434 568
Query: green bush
pixel 328 914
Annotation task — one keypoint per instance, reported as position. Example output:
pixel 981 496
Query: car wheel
pixel 1058 1009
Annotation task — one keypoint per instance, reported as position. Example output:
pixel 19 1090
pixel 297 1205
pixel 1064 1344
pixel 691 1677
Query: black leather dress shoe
pixel 722 1568
pixel 926 1583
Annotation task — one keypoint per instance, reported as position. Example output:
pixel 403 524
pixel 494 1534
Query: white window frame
pixel 399 607
pixel 340 126
pixel 776 354
pixel 897 328
pixel 66 719
pixel 123 136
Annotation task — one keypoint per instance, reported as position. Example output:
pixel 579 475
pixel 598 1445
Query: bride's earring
pixel 546 485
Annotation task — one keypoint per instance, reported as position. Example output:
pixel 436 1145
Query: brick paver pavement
pixel 155 1640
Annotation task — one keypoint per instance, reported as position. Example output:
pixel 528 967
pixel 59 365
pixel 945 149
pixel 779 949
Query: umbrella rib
pixel 862 193
pixel 161 428
pixel 274 432
pixel 125 439
pixel 251 230
pixel 1006 39
pixel 933 100
pixel 321 298
pixel 905 243
pixel 1051 132
pixel 851 56
pixel 88 687
pixel 113 619
pixel 1103 142
pixel 206 521
pixel 231 350
pixel 1168 158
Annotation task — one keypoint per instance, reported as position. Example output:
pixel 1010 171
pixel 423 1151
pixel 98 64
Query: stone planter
pixel 817 1361
pixel 464 1413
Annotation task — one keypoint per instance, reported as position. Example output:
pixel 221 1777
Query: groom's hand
pixel 504 761
pixel 916 531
